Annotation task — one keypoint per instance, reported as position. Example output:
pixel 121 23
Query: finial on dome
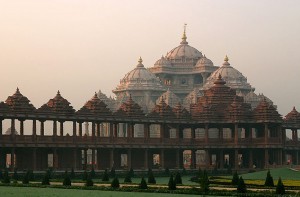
pixel 140 60
pixel 226 59
pixel 17 91
pixel 58 92
pixel 184 35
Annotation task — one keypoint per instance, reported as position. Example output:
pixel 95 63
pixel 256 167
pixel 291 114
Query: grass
pixel 53 192
pixel 284 173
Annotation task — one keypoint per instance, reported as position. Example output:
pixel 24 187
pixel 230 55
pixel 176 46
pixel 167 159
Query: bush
pixel 15 175
pixel 204 182
pixel 143 184
pixel 46 178
pixel 89 182
pixel 269 180
pixel 178 179
pixel 151 178
pixel 183 171
pixel 171 184
pixel 115 183
pixel 127 178
pixel 241 187
pixel 93 173
pixel 105 176
pixel 72 173
pixel 199 173
pixel 131 172
pixel 31 175
pixel 167 171
pixel 25 179
pixel 67 180
pixel 85 175
pixel 235 178
pixel 6 178
pixel 112 172
pixel 280 189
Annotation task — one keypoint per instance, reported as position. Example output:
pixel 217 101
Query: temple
pixel 184 112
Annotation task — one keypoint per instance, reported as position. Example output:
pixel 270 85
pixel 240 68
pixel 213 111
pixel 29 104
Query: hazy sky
pixel 81 46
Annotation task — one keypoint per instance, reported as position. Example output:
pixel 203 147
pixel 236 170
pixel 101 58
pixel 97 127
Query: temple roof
pixel 95 107
pixel 180 112
pixel 130 109
pixel 162 110
pixel 19 103
pixel 293 117
pixel 266 113
pixel 58 105
pixel 4 108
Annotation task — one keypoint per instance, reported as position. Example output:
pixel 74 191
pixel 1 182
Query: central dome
pixel 140 79
pixel 184 51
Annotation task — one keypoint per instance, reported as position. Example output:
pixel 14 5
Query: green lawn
pixel 53 192
pixel 284 173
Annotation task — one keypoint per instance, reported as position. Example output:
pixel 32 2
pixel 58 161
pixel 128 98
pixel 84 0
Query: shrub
pixel 280 189
pixel 105 176
pixel 229 170
pixel 143 184
pixel 171 184
pixel 204 183
pixel 89 182
pixel 15 175
pixel 167 171
pixel 151 178
pixel 183 171
pixel 241 187
pixel 84 175
pixel 269 180
pixel 235 178
pixel 67 180
pixel 199 173
pixel 25 179
pixel 127 178
pixel 6 178
pixel 31 175
pixel 112 172
pixel 93 173
pixel 115 183
pixel 46 178
pixel 72 173
pixel 178 179
pixel 131 172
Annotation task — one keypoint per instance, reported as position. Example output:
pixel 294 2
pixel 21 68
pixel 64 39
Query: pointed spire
pixel 226 59
pixel 140 61
pixel 58 92
pixel 18 91
pixel 184 37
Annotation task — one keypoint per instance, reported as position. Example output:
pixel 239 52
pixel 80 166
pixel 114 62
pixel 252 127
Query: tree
pixel 280 189
pixel 105 176
pixel 67 180
pixel 269 180
pixel 26 178
pixel 151 178
pixel 46 178
pixel 241 187
pixel 204 182
pixel 235 178
pixel 112 172
pixel 89 182
pixel 6 178
pixel 178 179
pixel 127 178
pixel 72 173
pixel 143 184
pixel 115 183
pixel 85 175
pixel 171 184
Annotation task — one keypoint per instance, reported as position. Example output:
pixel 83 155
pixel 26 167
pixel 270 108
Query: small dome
pixel 140 79
pixel 232 76
pixel 203 62
pixel 162 62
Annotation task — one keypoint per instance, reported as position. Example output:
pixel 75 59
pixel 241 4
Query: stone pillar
pixel 21 127
pixel 250 158
pixel 34 128
pixel 12 127
pixel 129 158
pixel 98 129
pixel 193 159
pixel 193 133
pixel 207 158
pixel 236 159
pixel 178 131
pixel 61 124
pixel 177 159
pixel 162 158
pixel 146 159
pixel 55 159
pixel 111 130
pixel 236 133
pixel 146 131
pixel 111 158
pixel 221 133
pixel 74 128
pixel 93 129
pixel 80 129
pixel 75 159
pixel 206 133
pixel 130 130
pixel 296 135
pixel 12 156
pixel 280 157
pixel 34 159
pixel 162 131
pixel 93 158
pixel 221 159
pixel 266 158
pixel 1 127
pixel 115 129
pixel 266 133
pixel 42 128
pixel 54 128
pixel 85 158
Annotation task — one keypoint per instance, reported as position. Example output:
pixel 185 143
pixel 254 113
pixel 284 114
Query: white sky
pixel 81 46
